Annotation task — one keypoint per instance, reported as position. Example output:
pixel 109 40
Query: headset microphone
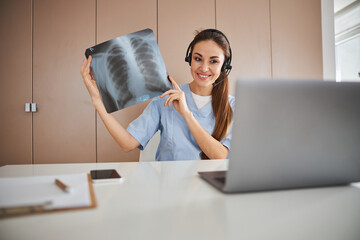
pixel 220 81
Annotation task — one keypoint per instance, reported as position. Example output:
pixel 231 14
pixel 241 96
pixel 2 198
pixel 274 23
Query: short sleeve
pixel 227 140
pixel 147 124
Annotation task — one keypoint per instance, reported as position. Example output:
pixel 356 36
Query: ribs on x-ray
pixel 146 59
pixel 128 70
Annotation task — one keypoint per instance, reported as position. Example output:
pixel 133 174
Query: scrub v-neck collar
pixel 204 111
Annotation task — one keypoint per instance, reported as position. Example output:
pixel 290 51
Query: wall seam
pixel 157 21
pixel 32 80
pixel 215 15
pixel 271 43
pixel 96 132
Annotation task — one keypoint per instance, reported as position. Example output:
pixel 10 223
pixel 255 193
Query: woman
pixel 191 127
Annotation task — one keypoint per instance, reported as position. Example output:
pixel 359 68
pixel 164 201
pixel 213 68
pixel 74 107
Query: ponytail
pixel 222 110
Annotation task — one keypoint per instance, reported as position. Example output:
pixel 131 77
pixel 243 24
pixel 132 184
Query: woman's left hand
pixel 177 98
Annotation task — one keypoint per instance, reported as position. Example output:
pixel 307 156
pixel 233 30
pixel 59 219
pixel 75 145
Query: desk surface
pixel 168 200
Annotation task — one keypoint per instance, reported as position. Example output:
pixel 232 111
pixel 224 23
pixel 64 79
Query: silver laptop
pixel 292 134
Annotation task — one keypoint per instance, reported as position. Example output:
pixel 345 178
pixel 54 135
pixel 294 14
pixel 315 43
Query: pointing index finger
pixel 89 62
pixel 176 86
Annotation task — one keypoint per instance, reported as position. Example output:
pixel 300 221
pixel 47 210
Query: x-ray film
pixel 128 70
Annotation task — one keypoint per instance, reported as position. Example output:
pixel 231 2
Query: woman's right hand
pixel 126 141
pixel 89 80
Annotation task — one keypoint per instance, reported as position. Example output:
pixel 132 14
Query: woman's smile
pixel 203 76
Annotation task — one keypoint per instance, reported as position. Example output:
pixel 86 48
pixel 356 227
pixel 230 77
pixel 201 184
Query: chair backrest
pixel 148 154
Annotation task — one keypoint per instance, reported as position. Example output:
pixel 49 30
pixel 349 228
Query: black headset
pixel 226 67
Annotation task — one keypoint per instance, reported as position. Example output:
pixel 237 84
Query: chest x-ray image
pixel 128 69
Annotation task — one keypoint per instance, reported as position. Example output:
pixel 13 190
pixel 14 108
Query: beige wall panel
pixel 119 17
pixel 64 126
pixel 116 18
pixel 178 21
pixel 296 38
pixel 247 25
pixel 15 77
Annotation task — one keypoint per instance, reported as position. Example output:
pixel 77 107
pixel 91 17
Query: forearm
pixel 213 148
pixel 126 141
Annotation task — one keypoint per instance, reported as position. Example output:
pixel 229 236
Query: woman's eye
pixel 197 59
pixel 214 61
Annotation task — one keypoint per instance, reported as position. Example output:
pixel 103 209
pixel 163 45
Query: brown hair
pixel 220 93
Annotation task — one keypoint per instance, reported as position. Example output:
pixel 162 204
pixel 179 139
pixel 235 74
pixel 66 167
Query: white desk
pixel 169 201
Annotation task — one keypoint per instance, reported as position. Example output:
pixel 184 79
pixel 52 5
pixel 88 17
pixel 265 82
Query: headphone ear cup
pixel 188 59
pixel 224 66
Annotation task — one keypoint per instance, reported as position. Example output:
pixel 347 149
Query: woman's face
pixel 206 62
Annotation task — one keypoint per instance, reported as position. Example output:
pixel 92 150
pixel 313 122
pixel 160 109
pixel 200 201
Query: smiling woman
pixel 206 66
pixel 212 56
pixel 190 127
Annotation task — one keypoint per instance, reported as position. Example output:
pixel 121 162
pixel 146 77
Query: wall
pixel 15 79
pixel 47 39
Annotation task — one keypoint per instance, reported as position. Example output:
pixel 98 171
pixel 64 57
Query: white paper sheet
pixel 38 190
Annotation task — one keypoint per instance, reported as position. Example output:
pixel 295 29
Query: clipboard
pixel 42 208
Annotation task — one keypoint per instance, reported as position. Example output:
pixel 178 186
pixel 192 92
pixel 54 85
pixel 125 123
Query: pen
pixel 63 186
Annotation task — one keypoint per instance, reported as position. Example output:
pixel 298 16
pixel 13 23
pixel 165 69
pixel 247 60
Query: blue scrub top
pixel 176 142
